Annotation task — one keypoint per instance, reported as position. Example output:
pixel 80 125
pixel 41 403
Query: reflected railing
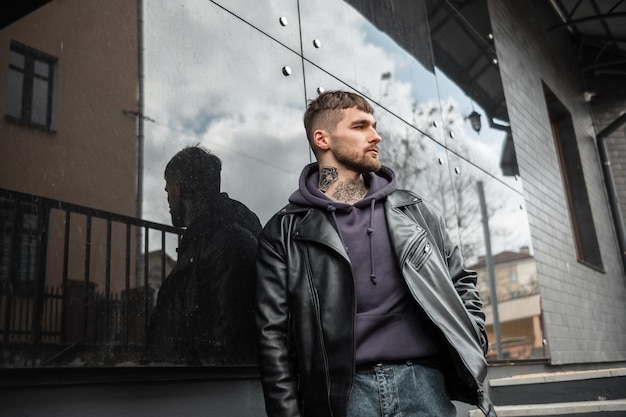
pixel 75 286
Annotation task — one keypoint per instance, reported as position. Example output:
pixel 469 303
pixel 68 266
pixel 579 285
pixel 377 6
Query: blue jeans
pixel 404 390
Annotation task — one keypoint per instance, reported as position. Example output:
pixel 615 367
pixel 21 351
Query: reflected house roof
pixel 503 258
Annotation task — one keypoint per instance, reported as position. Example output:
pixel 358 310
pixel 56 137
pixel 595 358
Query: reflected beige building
pixel 86 153
pixel 159 266
pixel 519 305
pixel 68 97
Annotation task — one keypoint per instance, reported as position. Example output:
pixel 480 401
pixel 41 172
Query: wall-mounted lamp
pixel 474 118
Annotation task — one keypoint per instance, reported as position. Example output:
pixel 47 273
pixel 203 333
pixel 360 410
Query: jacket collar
pixel 317 227
pixel 401 198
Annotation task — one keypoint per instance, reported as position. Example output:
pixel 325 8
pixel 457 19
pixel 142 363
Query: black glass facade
pixel 235 77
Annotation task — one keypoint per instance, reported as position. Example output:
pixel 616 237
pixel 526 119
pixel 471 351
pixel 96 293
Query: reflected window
pixel 30 87
pixel 19 246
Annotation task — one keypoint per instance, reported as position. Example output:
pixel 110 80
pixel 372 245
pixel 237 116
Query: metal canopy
pixel 598 29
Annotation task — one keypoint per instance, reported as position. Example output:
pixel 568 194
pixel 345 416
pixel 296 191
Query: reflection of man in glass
pixel 204 312
pixel 364 307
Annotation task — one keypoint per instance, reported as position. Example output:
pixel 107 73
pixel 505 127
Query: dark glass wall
pixel 235 77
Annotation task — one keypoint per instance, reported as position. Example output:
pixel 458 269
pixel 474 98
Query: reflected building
pixel 96 96
pixel 518 303
pixel 69 81
pixel 160 264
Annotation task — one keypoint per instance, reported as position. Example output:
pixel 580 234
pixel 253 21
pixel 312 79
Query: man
pixel 205 307
pixel 364 307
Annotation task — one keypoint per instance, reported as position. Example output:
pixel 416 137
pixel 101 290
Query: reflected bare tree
pixel 419 163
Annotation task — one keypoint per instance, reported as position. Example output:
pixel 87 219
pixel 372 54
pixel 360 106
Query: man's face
pixel 354 142
pixel 177 208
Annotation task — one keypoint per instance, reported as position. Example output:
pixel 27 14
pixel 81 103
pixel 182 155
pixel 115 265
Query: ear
pixel 321 139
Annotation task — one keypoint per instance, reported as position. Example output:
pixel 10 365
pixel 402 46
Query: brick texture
pixel 584 308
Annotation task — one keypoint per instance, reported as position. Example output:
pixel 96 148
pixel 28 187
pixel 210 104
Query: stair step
pixel 577 408
pixel 558 377
pixel 559 387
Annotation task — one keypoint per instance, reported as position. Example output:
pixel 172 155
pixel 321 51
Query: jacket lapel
pixel 400 225
pixel 316 227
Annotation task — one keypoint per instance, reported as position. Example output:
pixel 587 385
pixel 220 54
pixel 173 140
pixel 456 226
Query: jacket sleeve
pixel 273 321
pixel 464 281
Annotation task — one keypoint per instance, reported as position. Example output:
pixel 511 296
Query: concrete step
pixel 607 408
pixel 559 387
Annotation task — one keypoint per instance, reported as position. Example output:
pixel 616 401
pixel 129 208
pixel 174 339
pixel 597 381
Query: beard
pixel 357 161
pixel 178 212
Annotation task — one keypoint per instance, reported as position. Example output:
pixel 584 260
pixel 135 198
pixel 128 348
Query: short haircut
pixel 198 171
pixel 325 111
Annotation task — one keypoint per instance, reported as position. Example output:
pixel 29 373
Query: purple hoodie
pixel 389 325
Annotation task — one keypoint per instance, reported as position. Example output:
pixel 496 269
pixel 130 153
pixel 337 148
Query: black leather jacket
pixel 306 306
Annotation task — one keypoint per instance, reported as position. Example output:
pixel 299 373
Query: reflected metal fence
pixel 71 274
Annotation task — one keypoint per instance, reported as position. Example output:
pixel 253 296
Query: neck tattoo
pixel 328 176
pixel 346 191
pixel 350 191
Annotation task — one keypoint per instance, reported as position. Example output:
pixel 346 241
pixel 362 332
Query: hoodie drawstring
pixel 332 209
pixel 370 232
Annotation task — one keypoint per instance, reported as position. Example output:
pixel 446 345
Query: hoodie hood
pixel 380 185
pixel 355 223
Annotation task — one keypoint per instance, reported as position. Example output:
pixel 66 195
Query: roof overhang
pixel 598 30
pixel 11 11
